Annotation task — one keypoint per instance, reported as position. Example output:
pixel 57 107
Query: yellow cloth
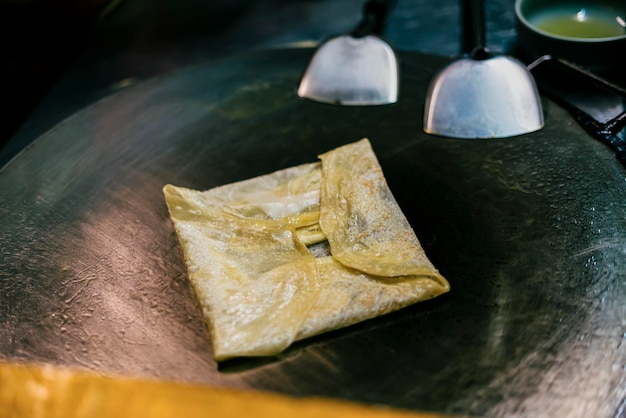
pixel 45 391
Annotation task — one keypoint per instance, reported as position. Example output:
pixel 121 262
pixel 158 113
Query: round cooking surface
pixel 530 232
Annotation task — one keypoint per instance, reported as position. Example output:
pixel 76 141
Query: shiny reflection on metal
pixel 480 95
pixel 483 98
pixel 352 71
pixel 357 69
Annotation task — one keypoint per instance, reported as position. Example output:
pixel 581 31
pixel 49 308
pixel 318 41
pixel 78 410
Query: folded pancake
pixel 364 225
pixel 301 251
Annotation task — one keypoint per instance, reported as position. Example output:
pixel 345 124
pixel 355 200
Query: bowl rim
pixel 521 18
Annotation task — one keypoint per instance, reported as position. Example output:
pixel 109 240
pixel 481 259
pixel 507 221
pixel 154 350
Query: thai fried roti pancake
pixel 298 252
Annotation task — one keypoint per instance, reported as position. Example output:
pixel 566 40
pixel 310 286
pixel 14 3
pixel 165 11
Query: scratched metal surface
pixel 530 232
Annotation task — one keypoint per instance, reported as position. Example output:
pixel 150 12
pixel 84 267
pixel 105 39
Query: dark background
pixel 59 56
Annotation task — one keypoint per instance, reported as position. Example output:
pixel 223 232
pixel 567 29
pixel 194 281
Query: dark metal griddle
pixel 530 232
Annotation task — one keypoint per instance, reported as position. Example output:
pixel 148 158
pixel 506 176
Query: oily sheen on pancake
pixel 248 247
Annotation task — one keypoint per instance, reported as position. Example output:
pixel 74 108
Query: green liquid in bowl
pixel 588 22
